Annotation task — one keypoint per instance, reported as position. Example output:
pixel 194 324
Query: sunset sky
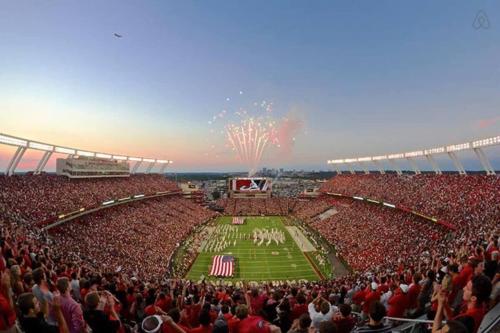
pixel 358 77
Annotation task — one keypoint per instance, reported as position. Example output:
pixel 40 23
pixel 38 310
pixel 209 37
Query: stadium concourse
pixel 107 271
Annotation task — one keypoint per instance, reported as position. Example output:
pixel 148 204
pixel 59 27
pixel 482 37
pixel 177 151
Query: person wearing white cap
pixel 373 295
pixel 398 303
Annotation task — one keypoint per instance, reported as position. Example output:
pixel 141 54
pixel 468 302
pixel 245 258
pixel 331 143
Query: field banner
pixel 222 265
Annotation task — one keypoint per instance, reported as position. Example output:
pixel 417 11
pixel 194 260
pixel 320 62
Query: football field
pixel 268 261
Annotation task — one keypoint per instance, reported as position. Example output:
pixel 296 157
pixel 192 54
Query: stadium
pixel 113 236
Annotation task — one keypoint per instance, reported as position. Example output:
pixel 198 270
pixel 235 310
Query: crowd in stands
pixel 104 272
pixel 375 238
pixel 154 227
pixel 467 202
pixel 40 290
pixel 252 206
pixel 36 198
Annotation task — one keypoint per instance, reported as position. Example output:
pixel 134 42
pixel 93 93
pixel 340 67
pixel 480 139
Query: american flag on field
pixel 238 220
pixel 222 265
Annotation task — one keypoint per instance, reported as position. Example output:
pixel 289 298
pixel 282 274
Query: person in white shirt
pixel 320 310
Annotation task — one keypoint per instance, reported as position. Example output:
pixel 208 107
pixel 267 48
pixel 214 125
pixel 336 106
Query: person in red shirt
pixel 7 313
pixel 476 296
pixel 343 320
pixel 466 273
pixel 398 303
pixel 164 302
pixel 371 296
pixel 251 324
pixel 414 291
pixel 257 300
pixel 176 317
pixel 205 324
pixel 359 297
pixel 225 312
pixel 300 306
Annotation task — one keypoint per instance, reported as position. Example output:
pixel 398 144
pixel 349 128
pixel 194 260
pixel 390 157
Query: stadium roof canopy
pixel 23 145
pixel 428 154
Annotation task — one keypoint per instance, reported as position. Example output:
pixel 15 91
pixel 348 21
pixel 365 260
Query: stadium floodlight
pixel 437 150
pixel 486 142
pixel 150 160
pixel 350 160
pixel 394 156
pixel 458 147
pixel 13 141
pixel 123 199
pixel 364 159
pixel 388 205
pixel 120 158
pixel 82 209
pixel 40 146
pixel 170 162
pixel 63 150
pixel 415 153
pixel 162 161
pixel 380 157
pixel 358 198
pixel 373 201
pixel 136 159
pixel 336 161
pixel 101 155
pixel 138 196
pixel 105 203
pixel 84 153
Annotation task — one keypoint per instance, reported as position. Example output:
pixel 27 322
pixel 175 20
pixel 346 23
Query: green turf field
pixel 256 263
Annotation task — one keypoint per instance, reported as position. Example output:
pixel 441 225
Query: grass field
pixel 257 263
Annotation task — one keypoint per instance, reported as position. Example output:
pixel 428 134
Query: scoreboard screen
pixel 250 184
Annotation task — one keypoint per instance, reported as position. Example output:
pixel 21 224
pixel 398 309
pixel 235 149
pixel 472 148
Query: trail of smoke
pixel 230 135
pixel 242 139
pixel 259 156
pixel 250 142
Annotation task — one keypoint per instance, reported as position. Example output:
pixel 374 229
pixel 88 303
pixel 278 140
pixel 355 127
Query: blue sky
pixel 366 77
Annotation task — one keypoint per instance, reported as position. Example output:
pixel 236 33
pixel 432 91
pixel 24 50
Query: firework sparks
pixel 249 133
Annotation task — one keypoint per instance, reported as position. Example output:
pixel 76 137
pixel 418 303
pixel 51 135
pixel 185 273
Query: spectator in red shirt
pixel 476 298
pixel 164 302
pixel 344 321
pixel 371 296
pixel 176 316
pixel 205 324
pixel 300 306
pixel 7 313
pixel 398 303
pixel 413 292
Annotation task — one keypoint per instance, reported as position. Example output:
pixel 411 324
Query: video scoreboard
pixel 250 187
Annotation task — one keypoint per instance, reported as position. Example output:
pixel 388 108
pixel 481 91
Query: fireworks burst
pixel 249 133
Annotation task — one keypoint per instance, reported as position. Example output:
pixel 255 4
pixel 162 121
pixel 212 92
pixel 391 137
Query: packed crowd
pixel 374 238
pixel 42 292
pixel 105 272
pixel 137 238
pixel 302 208
pixel 251 206
pixel 36 198
pixel 468 202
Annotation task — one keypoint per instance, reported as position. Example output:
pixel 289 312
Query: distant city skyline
pixel 145 79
